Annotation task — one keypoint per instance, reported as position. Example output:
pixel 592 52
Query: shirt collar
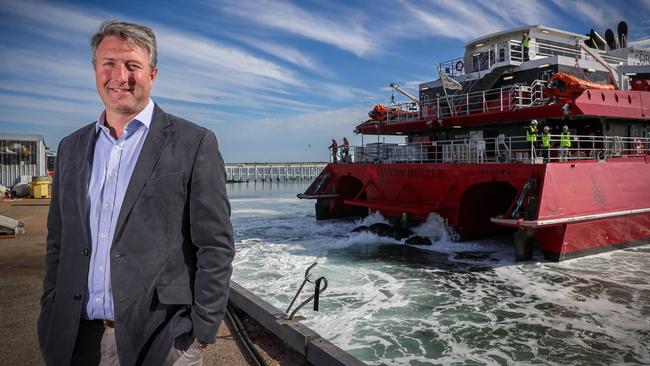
pixel 143 117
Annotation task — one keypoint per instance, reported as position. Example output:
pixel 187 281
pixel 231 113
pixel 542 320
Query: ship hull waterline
pixel 577 208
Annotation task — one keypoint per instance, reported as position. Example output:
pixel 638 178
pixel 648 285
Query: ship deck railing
pixel 501 150
pixel 543 48
pixel 493 100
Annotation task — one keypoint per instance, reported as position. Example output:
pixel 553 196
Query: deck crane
pixel 614 77
pixel 412 97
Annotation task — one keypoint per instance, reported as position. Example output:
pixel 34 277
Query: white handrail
pixel 491 100
pixel 513 149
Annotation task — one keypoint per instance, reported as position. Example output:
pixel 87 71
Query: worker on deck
pixel 345 150
pixel 524 45
pixel 565 143
pixel 334 148
pixel 531 136
pixel 546 143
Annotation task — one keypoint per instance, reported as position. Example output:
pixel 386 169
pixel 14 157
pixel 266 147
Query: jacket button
pixel 76 297
pixel 84 252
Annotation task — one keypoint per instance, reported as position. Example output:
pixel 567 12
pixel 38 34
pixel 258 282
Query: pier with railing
pixel 266 172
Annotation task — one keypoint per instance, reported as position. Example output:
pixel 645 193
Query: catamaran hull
pixel 574 208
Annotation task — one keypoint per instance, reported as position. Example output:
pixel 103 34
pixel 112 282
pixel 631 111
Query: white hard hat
pixel 546 128
pixel 565 127
pixel 533 122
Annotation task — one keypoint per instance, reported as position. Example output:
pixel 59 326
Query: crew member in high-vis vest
pixel 531 136
pixel 531 131
pixel 565 143
pixel 524 45
pixel 546 143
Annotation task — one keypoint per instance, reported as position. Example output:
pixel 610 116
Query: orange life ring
pixel 460 65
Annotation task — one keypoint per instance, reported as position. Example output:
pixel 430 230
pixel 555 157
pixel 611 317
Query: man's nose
pixel 120 73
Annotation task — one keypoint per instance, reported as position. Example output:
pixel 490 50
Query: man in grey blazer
pixel 139 243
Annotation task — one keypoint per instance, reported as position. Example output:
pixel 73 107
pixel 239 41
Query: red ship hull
pixel 576 208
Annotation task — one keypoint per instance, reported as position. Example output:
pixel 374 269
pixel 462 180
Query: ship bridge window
pixel 475 62
pixel 502 54
pixel 484 62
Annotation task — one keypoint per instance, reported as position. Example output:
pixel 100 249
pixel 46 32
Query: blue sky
pixel 275 80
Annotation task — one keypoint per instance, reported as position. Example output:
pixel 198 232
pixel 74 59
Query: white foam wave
pixel 395 310
pixel 374 217
pixel 437 229
pixel 255 211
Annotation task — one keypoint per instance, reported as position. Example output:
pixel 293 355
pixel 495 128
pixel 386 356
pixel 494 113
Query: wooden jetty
pixel 266 172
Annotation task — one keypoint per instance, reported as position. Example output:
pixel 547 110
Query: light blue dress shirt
pixel 113 164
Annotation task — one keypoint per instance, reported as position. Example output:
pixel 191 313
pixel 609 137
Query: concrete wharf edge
pixel 300 338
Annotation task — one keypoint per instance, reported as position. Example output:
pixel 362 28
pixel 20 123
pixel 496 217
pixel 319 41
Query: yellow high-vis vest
pixel 531 133
pixel 565 139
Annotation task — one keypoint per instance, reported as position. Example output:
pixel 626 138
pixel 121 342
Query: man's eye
pixel 134 67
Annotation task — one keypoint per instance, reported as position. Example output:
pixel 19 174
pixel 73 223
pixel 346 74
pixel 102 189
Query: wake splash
pixel 491 253
pixel 435 228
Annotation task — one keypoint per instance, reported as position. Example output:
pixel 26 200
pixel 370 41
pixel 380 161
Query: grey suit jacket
pixel 171 255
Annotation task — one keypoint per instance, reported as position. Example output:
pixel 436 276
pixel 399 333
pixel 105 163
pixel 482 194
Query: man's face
pixel 123 76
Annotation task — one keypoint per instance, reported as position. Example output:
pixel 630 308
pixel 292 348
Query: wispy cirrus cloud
pixel 511 13
pixel 194 69
pixel 450 19
pixel 642 43
pixel 466 20
pixel 212 55
pixel 286 53
pixel 598 13
pixel 59 22
pixel 338 29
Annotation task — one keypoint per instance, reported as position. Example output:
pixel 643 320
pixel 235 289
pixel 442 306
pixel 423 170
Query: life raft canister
pixel 460 65
pixel 378 113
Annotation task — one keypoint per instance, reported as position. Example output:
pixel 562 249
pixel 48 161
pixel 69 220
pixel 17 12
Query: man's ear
pixel 154 73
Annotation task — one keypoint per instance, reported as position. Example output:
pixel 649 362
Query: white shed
pixel 21 155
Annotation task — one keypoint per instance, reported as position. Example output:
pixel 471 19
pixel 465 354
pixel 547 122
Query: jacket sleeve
pixel 212 234
pixel 53 241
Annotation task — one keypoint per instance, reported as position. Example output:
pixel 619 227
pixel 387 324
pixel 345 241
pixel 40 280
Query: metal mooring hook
pixel 317 291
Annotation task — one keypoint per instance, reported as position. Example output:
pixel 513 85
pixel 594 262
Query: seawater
pixel 448 304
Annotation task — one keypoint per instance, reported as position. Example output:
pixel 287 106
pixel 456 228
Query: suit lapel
pixel 153 146
pixel 84 165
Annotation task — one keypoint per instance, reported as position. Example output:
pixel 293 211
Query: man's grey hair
pixel 135 34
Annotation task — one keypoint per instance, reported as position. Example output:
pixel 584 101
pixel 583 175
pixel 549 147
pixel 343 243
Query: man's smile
pixel 121 90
